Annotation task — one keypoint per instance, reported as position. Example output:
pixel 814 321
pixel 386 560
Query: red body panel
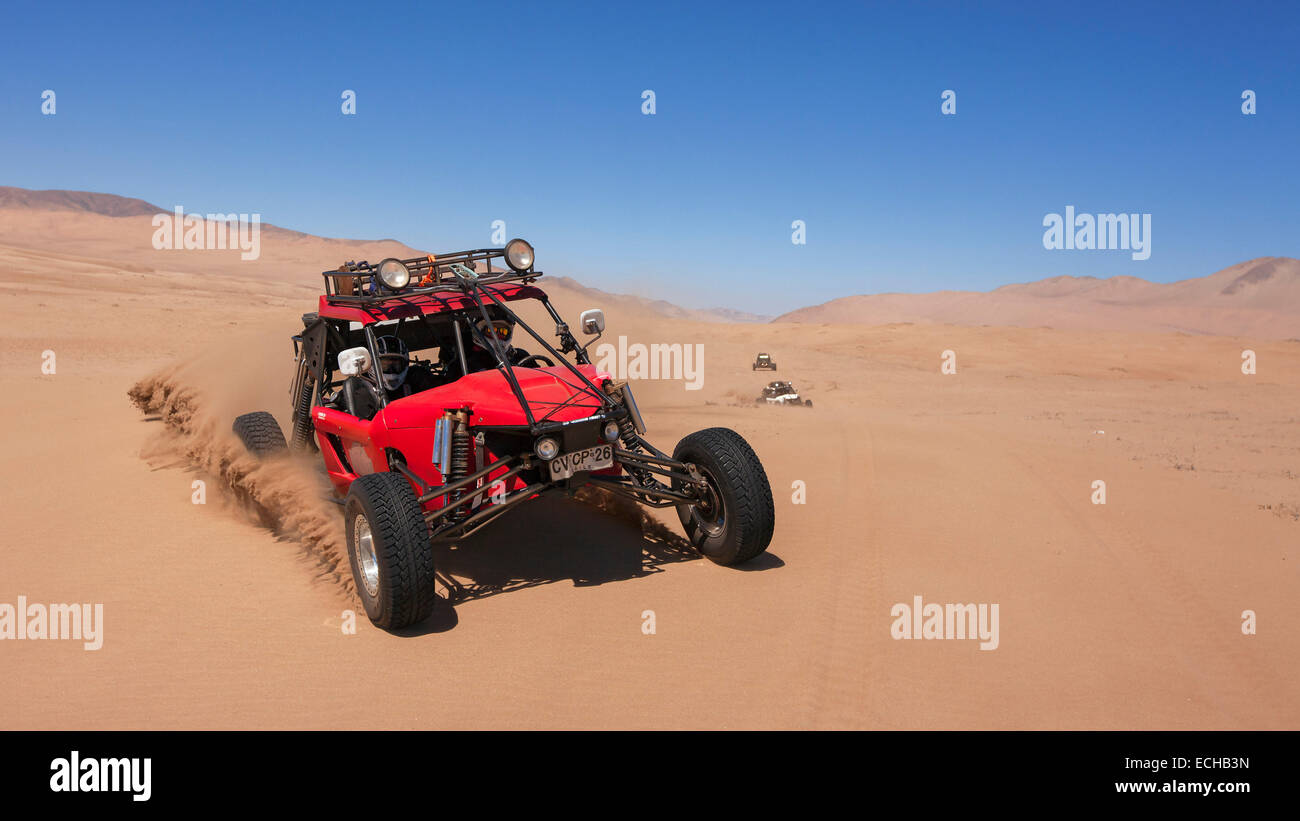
pixel 407 425
pixel 347 445
pixel 488 395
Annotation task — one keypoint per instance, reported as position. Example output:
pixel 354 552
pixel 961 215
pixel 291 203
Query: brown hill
pixel 109 205
pixel 120 229
pixel 661 307
pixel 1259 298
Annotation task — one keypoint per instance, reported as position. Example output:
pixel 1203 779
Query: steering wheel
pixel 529 361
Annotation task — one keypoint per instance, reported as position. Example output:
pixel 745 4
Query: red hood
pixel 488 394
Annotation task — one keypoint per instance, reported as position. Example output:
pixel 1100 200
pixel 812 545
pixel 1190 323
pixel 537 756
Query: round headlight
pixel 547 448
pixel 611 431
pixel 393 274
pixel 519 255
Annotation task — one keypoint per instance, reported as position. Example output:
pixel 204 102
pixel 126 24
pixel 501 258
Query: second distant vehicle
pixel 782 393
pixel 763 362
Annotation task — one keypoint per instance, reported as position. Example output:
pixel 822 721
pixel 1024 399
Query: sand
pixel 969 487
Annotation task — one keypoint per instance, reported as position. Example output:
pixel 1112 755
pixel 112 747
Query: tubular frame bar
pixel 434 492
pixel 656 460
pixel 447 507
pixel 490 514
pixel 645 496
pixel 424 486
pixel 646 466
pixel 444 279
pixel 605 402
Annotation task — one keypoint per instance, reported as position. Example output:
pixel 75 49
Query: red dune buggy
pixel 436 447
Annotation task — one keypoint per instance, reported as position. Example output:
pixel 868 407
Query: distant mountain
pixel 119 229
pixel 108 205
pixel 1259 297
pixel 659 306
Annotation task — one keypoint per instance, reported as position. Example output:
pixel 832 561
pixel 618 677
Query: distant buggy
pixel 436 447
pixel 763 362
pixel 782 393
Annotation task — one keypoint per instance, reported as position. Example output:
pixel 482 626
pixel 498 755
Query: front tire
pixel 733 522
pixel 260 433
pixel 389 550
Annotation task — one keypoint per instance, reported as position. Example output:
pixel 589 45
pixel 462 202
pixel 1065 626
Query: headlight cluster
pixel 394 274
pixel 519 255
pixel 547 448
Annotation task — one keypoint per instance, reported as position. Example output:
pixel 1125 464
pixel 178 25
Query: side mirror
pixel 592 321
pixel 354 361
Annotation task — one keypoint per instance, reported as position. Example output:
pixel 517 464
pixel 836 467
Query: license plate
pixel 567 464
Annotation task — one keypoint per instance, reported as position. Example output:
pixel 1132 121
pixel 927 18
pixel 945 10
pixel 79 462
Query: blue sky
pixel 766 113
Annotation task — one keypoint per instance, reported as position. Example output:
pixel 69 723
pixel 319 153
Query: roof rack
pixel 357 283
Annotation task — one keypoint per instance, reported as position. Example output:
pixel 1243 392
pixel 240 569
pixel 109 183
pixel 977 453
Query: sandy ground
pixel 972 487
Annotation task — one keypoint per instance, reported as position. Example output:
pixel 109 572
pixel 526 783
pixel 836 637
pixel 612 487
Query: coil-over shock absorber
pixel 460 462
pixel 630 427
pixel 627 433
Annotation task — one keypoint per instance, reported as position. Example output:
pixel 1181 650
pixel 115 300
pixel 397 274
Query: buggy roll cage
pixel 357 283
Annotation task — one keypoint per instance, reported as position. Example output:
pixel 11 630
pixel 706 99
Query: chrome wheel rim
pixel 709 513
pixel 367 559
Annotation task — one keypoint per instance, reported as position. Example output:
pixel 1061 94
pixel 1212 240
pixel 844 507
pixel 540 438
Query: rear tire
pixel 389 550
pixel 734 523
pixel 260 433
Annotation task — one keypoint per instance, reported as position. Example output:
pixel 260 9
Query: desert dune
pixel 971 487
